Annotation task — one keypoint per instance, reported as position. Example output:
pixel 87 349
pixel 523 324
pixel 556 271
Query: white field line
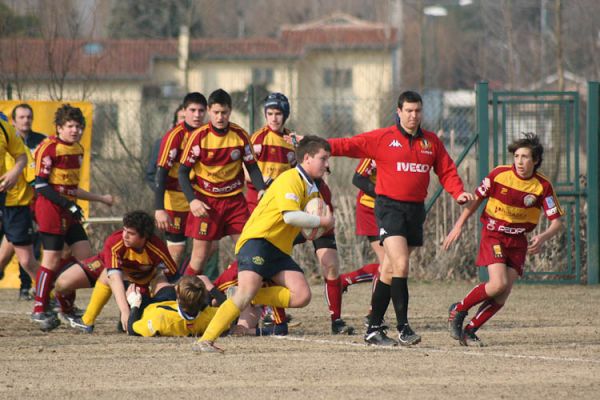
pixel 470 352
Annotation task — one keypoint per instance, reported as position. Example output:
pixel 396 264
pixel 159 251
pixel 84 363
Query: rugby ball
pixel 315 206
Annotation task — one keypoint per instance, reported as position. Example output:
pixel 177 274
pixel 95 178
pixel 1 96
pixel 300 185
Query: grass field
pixel 545 344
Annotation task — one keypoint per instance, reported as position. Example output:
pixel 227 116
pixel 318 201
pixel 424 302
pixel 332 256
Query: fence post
pixel 251 108
pixel 593 131
pixel 483 160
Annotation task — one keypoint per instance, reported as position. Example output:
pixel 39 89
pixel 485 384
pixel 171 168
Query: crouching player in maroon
pixel 265 245
pixel 516 195
pixel 133 254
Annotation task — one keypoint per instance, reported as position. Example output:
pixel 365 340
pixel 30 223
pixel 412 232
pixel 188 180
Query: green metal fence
pixel 593 182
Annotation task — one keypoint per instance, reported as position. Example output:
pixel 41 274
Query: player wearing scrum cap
pixel 275 156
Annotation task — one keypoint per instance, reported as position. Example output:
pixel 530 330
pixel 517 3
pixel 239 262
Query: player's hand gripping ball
pixel 318 207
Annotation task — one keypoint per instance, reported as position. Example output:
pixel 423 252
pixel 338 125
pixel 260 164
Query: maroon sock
pixel 44 282
pixel 190 271
pixel 279 315
pixel 475 296
pixel 333 295
pixel 363 274
pixel 66 301
pixel 485 312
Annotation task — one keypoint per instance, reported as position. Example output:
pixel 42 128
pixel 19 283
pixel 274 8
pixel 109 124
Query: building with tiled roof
pixel 326 68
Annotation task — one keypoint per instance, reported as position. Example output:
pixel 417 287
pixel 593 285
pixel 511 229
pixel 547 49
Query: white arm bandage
pixel 301 219
pixel 111 271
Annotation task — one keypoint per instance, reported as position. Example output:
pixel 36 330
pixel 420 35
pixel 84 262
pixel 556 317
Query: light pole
pixel 431 11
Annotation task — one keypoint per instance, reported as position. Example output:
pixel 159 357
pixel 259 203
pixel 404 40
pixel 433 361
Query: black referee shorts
pixel 400 218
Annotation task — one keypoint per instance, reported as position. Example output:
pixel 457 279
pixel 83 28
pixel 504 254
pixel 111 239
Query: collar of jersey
pixel 217 131
pixel 185 315
pixel 419 132
pixel 312 186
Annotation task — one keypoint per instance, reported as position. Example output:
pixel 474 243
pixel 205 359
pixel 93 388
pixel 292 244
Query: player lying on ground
pixel 181 310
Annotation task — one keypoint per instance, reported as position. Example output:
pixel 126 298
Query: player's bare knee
pixel 497 287
pixel 61 285
pixel 300 298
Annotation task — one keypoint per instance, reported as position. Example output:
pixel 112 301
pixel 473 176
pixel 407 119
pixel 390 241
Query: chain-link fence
pixel 119 161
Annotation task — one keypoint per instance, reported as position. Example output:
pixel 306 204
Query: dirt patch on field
pixel 544 344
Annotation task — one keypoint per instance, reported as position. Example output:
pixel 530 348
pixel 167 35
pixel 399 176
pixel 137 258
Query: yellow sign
pixel 43 122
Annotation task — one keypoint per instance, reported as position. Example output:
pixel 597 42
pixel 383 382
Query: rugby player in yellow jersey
pixel 265 246
pixel 18 201
pixel 15 221
pixel 180 310
pixel 13 159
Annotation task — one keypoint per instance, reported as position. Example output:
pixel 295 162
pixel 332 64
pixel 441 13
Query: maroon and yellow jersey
pixel 216 159
pixel 273 154
pixel 59 163
pixel 404 162
pixel 171 147
pixel 228 278
pixel 514 204
pixel 367 168
pixel 140 266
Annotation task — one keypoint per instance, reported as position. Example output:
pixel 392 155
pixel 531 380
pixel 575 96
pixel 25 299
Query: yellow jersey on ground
pixel 163 319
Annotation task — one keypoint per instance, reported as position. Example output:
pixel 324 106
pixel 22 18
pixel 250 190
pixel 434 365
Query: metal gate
pixel 555 118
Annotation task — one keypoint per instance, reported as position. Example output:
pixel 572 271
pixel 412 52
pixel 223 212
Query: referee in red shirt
pixel 405 154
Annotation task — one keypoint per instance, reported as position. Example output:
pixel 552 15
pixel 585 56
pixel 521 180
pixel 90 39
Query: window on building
pixel 93 48
pixel 262 76
pixel 338 78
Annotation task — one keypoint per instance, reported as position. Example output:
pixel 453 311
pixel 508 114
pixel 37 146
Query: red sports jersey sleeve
pixel 44 155
pixel 170 147
pixel 445 169
pixel 403 162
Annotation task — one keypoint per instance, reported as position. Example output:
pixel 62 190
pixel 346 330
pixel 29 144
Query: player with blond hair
pixel 180 310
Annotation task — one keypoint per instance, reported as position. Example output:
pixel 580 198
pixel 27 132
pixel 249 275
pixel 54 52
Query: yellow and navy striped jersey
pixel 273 154
pixel 59 163
pixel 514 204
pixel 290 192
pixel 367 168
pixel 216 159
pixel 163 319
